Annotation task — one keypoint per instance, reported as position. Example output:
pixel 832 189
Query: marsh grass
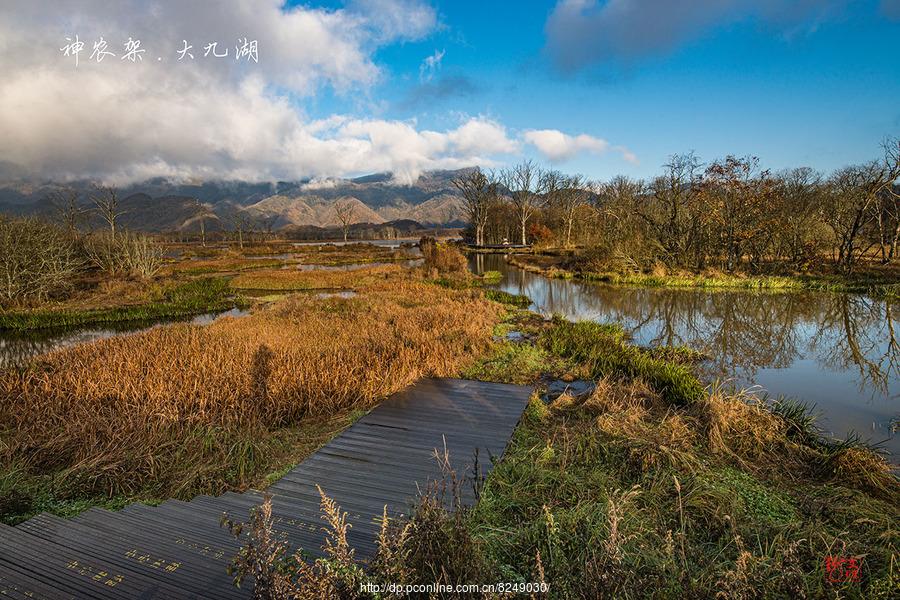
pixel 184 409
pixel 875 284
pixel 624 494
pixel 171 301
pixel 605 352
pixel 630 491
pixel 225 263
pixel 517 300
pixel 290 280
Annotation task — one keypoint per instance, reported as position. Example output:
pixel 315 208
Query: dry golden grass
pixel 294 280
pixel 636 417
pixel 739 426
pixel 736 428
pixel 225 264
pixel 184 407
pixel 104 291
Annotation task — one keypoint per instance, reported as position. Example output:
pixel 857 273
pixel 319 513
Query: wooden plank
pixel 166 563
pixel 76 573
pixel 386 458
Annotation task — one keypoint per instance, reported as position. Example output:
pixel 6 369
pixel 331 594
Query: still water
pixel 840 352
pixel 16 349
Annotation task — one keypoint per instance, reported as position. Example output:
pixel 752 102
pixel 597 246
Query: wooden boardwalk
pixel 179 550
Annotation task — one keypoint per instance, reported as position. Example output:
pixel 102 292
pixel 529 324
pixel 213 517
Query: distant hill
pixel 159 205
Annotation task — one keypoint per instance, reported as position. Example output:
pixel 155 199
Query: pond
pixel 392 243
pixel 17 348
pixel 838 352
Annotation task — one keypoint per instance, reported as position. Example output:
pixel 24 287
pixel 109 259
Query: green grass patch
pixel 517 300
pixel 513 362
pixel 821 283
pixel 753 501
pixel 23 495
pixel 190 298
pixel 605 353
pixel 492 276
pixel 697 281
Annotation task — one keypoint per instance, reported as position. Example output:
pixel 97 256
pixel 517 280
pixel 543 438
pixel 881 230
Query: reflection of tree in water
pixel 857 333
pixel 740 331
pixel 18 351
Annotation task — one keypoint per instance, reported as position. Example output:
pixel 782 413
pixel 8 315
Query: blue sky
pixel 344 87
pixel 817 94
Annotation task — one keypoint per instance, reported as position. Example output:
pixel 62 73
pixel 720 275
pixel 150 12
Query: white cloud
pixel 213 118
pixel 482 136
pixel 557 146
pixel 430 65
pixel 397 19
pixel 220 118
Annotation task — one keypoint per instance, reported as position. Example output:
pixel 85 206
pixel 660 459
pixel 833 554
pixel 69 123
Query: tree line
pixel 729 214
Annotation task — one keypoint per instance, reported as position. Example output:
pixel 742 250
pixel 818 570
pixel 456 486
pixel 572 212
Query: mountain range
pixel 160 205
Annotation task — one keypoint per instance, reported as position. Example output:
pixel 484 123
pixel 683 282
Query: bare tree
pixel 203 213
pixel 798 214
pixel 889 200
pixel 68 211
pixel 523 182
pixel 735 197
pixel 479 192
pixel 853 193
pixel 668 213
pixel 567 194
pixel 345 210
pixel 106 204
pixel 241 223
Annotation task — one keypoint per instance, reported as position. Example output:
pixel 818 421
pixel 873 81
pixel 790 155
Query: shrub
pixel 141 255
pixel 539 234
pixel 37 260
pixel 124 254
pixel 432 546
pixel 444 258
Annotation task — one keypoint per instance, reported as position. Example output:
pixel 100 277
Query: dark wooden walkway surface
pixel 179 550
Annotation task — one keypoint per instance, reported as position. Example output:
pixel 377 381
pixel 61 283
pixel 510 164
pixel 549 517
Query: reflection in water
pixel 837 351
pixel 394 243
pixel 415 262
pixel 17 349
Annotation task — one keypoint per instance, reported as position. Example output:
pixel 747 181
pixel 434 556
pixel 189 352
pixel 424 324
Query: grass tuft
pixel 605 352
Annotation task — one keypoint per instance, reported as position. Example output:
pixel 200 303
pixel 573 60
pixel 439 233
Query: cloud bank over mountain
pixel 166 114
